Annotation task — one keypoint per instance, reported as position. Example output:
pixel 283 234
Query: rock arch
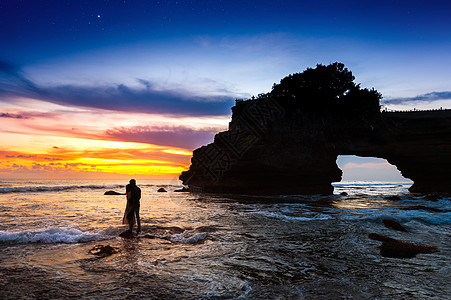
pixel 268 150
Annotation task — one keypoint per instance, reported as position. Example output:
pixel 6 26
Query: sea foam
pixel 288 218
pixel 50 235
pixel 185 238
pixel 34 189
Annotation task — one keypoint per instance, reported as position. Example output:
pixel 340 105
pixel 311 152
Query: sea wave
pixel 58 188
pixel 400 215
pixel 51 235
pixel 33 189
pixel 185 238
pixel 288 218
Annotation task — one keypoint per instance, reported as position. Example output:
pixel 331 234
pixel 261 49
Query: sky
pixel 113 89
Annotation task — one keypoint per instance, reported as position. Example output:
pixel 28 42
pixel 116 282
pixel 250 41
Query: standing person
pixel 133 193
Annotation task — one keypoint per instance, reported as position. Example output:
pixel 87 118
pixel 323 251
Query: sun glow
pixel 178 152
pixel 52 141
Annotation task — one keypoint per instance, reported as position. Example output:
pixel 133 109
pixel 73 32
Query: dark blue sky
pixel 34 29
pixel 205 51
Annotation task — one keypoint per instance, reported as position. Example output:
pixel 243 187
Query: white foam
pixel 34 189
pixel 305 218
pixel 50 235
pixel 185 238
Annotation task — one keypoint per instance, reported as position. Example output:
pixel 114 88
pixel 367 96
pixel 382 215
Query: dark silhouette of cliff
pixel 287 141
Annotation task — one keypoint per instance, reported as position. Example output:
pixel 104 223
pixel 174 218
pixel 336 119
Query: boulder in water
pixel 398 249
pixel 183 189
pixel 113 193
pixel 433 197
pixel 161 190
pixel 394 198
pixel 127 234
pixel 392 224
pixel 102 250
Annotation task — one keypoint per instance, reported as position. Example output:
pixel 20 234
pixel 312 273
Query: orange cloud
pixel 50 140
pixel 114 159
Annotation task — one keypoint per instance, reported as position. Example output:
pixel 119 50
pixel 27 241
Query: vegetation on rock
pixel 323 89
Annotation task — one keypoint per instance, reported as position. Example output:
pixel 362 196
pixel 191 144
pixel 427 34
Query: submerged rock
pixel 168 229
pixel 184 238
pixel 161 190
pixel 183 189
pixel 209 228
pixel 394 198
pixel 127 234
pixel 102 250
pixel 392 224
pixel 398 249
pixel 433 197
pixel 113 193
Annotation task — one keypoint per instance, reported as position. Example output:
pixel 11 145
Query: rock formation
pixel 113 193
pixel 398 249
pixel 392 224
pixel 103 251
pixel 281 143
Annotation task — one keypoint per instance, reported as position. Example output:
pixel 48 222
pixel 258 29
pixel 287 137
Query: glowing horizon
pixel 43 139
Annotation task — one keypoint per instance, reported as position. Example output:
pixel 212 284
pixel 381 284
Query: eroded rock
pixel 127 234
pixel 392 224
pixel 394 198
pixel 398 249
pixel 113 193
pixel 101 250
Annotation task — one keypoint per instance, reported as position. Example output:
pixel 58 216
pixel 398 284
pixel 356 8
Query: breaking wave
pixel 33 189
pixel 284 217
pixel 187 239
pixel 58 188
pixel 51 235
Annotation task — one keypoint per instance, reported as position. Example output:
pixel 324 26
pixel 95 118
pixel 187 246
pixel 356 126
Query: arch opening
pixel 369 169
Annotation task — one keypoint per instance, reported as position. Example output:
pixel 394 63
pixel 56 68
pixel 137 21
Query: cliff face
pixel 273 150
pixel 419 144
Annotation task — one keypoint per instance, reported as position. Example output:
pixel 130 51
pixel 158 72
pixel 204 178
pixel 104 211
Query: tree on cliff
pixel 328 88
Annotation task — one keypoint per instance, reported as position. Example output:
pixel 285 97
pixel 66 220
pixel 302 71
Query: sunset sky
pixel 112 89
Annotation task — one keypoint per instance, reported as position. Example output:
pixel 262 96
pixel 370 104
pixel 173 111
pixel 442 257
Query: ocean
pixel 216 246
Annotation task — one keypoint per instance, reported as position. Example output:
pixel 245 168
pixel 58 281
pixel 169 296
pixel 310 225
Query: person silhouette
pixel 133 193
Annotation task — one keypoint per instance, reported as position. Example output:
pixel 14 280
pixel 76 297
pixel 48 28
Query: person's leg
pixel 130 225
pixel 131 220
pixel 138 220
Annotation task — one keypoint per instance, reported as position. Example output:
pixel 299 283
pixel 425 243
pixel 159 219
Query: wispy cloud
pixel 174 136
pixel 145 97
pixel 428 97
pixel 368 165
pixel 13 80
pixel 12 116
